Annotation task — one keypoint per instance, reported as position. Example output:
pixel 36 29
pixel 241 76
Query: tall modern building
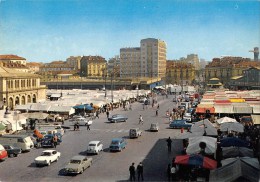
pixel 148 60
pixel 153 58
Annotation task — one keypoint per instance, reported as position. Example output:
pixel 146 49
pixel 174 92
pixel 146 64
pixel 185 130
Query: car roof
pixel 78 157
pixel 49 150
pixel 134 128
pixel 116 139
pixel 94 142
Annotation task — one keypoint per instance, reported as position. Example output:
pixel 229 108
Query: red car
pixel 3 153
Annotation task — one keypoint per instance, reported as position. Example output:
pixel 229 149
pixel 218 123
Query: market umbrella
pixel 204 126
pixel 233 141
pixel 226 120
pixel 36 115
pixel 229 152
pixel 196 160
pixel 194 145
pixel 232 127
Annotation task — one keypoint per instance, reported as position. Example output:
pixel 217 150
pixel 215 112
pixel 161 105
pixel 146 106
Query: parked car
pixel 47 140
pixel 135 132
pixel 47 157
pixel 3 153
pixel 187 116
pixel 180 124
pixel 83 121
pixel 117 144
pixel 78 164
pixel 154 127
pixel 12 151
pixel 117 118
pixel 94 147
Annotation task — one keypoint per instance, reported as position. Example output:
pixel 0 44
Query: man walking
pixel 140 169
pixel 97 113
pixel 141 120
pixel 169 144
pixel 156 113
pixel 132 172
pixel 107 113
pixel 55 141
pixel 88 128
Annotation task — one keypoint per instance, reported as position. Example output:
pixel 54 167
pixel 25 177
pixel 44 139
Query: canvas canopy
pixel 232 126
pixel 229 152
pixel 226 120
pixel 233 168
pixel 194 145
pixel 204 126
pixel 223 108
pixel 256 119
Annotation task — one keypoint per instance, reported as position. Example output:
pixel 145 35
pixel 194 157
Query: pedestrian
pixel 55 140
pixel 158 106
pixel 140 169
pixel 141 120
pixel 173 173
pixel 169 144
pixel 156 112
pixel 169 172
pixel 107 114
pixel 132 172
pixel 97 114
pixel 77 126
pixel 88 126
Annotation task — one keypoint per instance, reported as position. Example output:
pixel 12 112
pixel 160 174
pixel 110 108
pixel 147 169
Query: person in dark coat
pixel 132 172
pixel 169 172
pixel 107 113
pixel 140 169
pixel 169 144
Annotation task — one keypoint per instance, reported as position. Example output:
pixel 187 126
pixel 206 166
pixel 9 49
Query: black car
pixel 12 151
pixel 47 140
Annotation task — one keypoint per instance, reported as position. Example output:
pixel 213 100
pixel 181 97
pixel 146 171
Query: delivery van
pixel 21 141
pixel 3 153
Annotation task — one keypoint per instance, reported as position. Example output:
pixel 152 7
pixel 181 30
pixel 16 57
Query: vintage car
pixel 47 140
pixel 187 117
pixel 117 118
pixel 180 124
pixel 94 147
pixel 135 132
pixel 117 144
pixel 154 127
pixel 47 157
pixel 83 121
pixel 78 164
pixel 12 151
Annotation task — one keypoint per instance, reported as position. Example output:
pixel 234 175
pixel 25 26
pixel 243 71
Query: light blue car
pixel 117 144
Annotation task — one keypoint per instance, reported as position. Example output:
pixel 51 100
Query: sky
pixel 48 30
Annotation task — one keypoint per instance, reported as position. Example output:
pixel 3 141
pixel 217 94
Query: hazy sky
pixel 47 30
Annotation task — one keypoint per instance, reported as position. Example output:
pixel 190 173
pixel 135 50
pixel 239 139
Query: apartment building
pixel 74 61
pixel 92 66
pixel 10 58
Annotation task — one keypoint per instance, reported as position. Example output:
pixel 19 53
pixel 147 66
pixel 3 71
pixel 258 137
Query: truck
pixel 135 132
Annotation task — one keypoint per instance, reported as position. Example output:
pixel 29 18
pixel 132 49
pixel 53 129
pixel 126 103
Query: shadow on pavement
pixel 156 162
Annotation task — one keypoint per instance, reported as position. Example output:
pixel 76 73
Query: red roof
pixel 11 57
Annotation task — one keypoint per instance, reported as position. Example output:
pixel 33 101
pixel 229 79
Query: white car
pixel 83 121
pixel 94 147
pixel 47 157
pixel 187 116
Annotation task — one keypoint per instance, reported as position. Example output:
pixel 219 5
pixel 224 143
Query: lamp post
pixel 81 79
pixel 112 96
pixel 16 119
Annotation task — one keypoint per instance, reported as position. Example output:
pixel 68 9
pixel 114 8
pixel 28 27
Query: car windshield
pixel 75 161
pixel 115 116
pixel 92 144
pixel 114 142
pixel 46 154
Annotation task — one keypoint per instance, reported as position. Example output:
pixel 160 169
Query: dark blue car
pixel 117 144
pixel 180 124
pixel 47 140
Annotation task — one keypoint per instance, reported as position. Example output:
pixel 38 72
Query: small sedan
pixel 47 157
pixel 12 151
pixel 117 118
pixel 154 127
pixel 180 124
pixel 78 164
pixel 117 144
pixel 94 147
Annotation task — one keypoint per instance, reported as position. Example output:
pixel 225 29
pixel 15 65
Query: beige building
pixel 130 62
pixel 227 67
pixel 10 58
pixel 192 59
pixel 153 58
pixel 92 66
pixel 74 61
pixel 18 88
pixel 34 67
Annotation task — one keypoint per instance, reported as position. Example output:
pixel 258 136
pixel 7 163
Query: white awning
pixel 243 110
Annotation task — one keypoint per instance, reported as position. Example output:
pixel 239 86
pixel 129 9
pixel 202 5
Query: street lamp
pixel 137 91
pixel 112 96
pixel 16 115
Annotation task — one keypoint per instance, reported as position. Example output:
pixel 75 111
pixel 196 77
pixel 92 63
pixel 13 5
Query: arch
pixel 29 99
pixel 34 98
pixel 23 100
pixel 10 103
pixel 17 101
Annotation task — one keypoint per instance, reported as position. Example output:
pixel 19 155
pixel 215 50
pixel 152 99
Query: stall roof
pixel 242 110
pixel 223 108
pixel 256 119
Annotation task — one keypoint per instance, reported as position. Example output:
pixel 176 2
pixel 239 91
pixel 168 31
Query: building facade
pixel 179 73
pixel 74 61
pixel 192 59
pixel 130 62
pixel 153 58
pixel 34 67
pixel 10 58
pixel 18 88
pixel 227 67
pixel 92 66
